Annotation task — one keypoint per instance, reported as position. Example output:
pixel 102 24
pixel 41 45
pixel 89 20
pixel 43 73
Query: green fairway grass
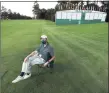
pixel 81 64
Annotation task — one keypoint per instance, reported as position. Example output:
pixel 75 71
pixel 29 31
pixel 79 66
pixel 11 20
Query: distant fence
pixel 79 17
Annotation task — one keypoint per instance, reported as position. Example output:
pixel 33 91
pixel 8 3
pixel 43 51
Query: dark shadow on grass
pixel 61 67
pixel 37 79
pixel 58 68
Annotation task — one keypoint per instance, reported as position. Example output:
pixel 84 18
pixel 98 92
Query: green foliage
pixel 8 14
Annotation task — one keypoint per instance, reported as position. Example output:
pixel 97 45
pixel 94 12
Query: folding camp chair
pixel 50 66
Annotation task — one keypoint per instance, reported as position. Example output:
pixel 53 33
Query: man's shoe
pixel 19 78
pixel 27 76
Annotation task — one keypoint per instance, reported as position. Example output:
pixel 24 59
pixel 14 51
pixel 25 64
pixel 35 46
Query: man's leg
pixel 26 67
pixel 25 72
pixel 23 69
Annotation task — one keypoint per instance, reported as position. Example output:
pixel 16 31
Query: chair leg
pixel 51 70
pixel 50 67
pixel 38 69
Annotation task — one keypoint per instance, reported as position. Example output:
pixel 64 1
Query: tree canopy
pixel 8 14
pixel 49 14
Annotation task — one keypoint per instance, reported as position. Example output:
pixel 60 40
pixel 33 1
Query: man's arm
pixel 52 57
pixel 49 61
pixel 32 54
pixel 51 51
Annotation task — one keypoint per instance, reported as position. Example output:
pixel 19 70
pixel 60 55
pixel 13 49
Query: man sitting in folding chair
pixel 43 56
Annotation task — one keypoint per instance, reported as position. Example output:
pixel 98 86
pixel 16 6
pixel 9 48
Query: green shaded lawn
pixel 81 64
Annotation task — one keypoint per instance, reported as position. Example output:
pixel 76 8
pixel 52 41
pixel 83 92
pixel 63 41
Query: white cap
pixel 43 36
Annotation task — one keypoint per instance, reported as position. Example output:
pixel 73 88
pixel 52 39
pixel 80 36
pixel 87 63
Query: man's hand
pixel 49 61
pixel 45 64
pixel 25 60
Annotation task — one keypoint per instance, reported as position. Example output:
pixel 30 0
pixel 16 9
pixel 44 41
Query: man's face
pixel 43 40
